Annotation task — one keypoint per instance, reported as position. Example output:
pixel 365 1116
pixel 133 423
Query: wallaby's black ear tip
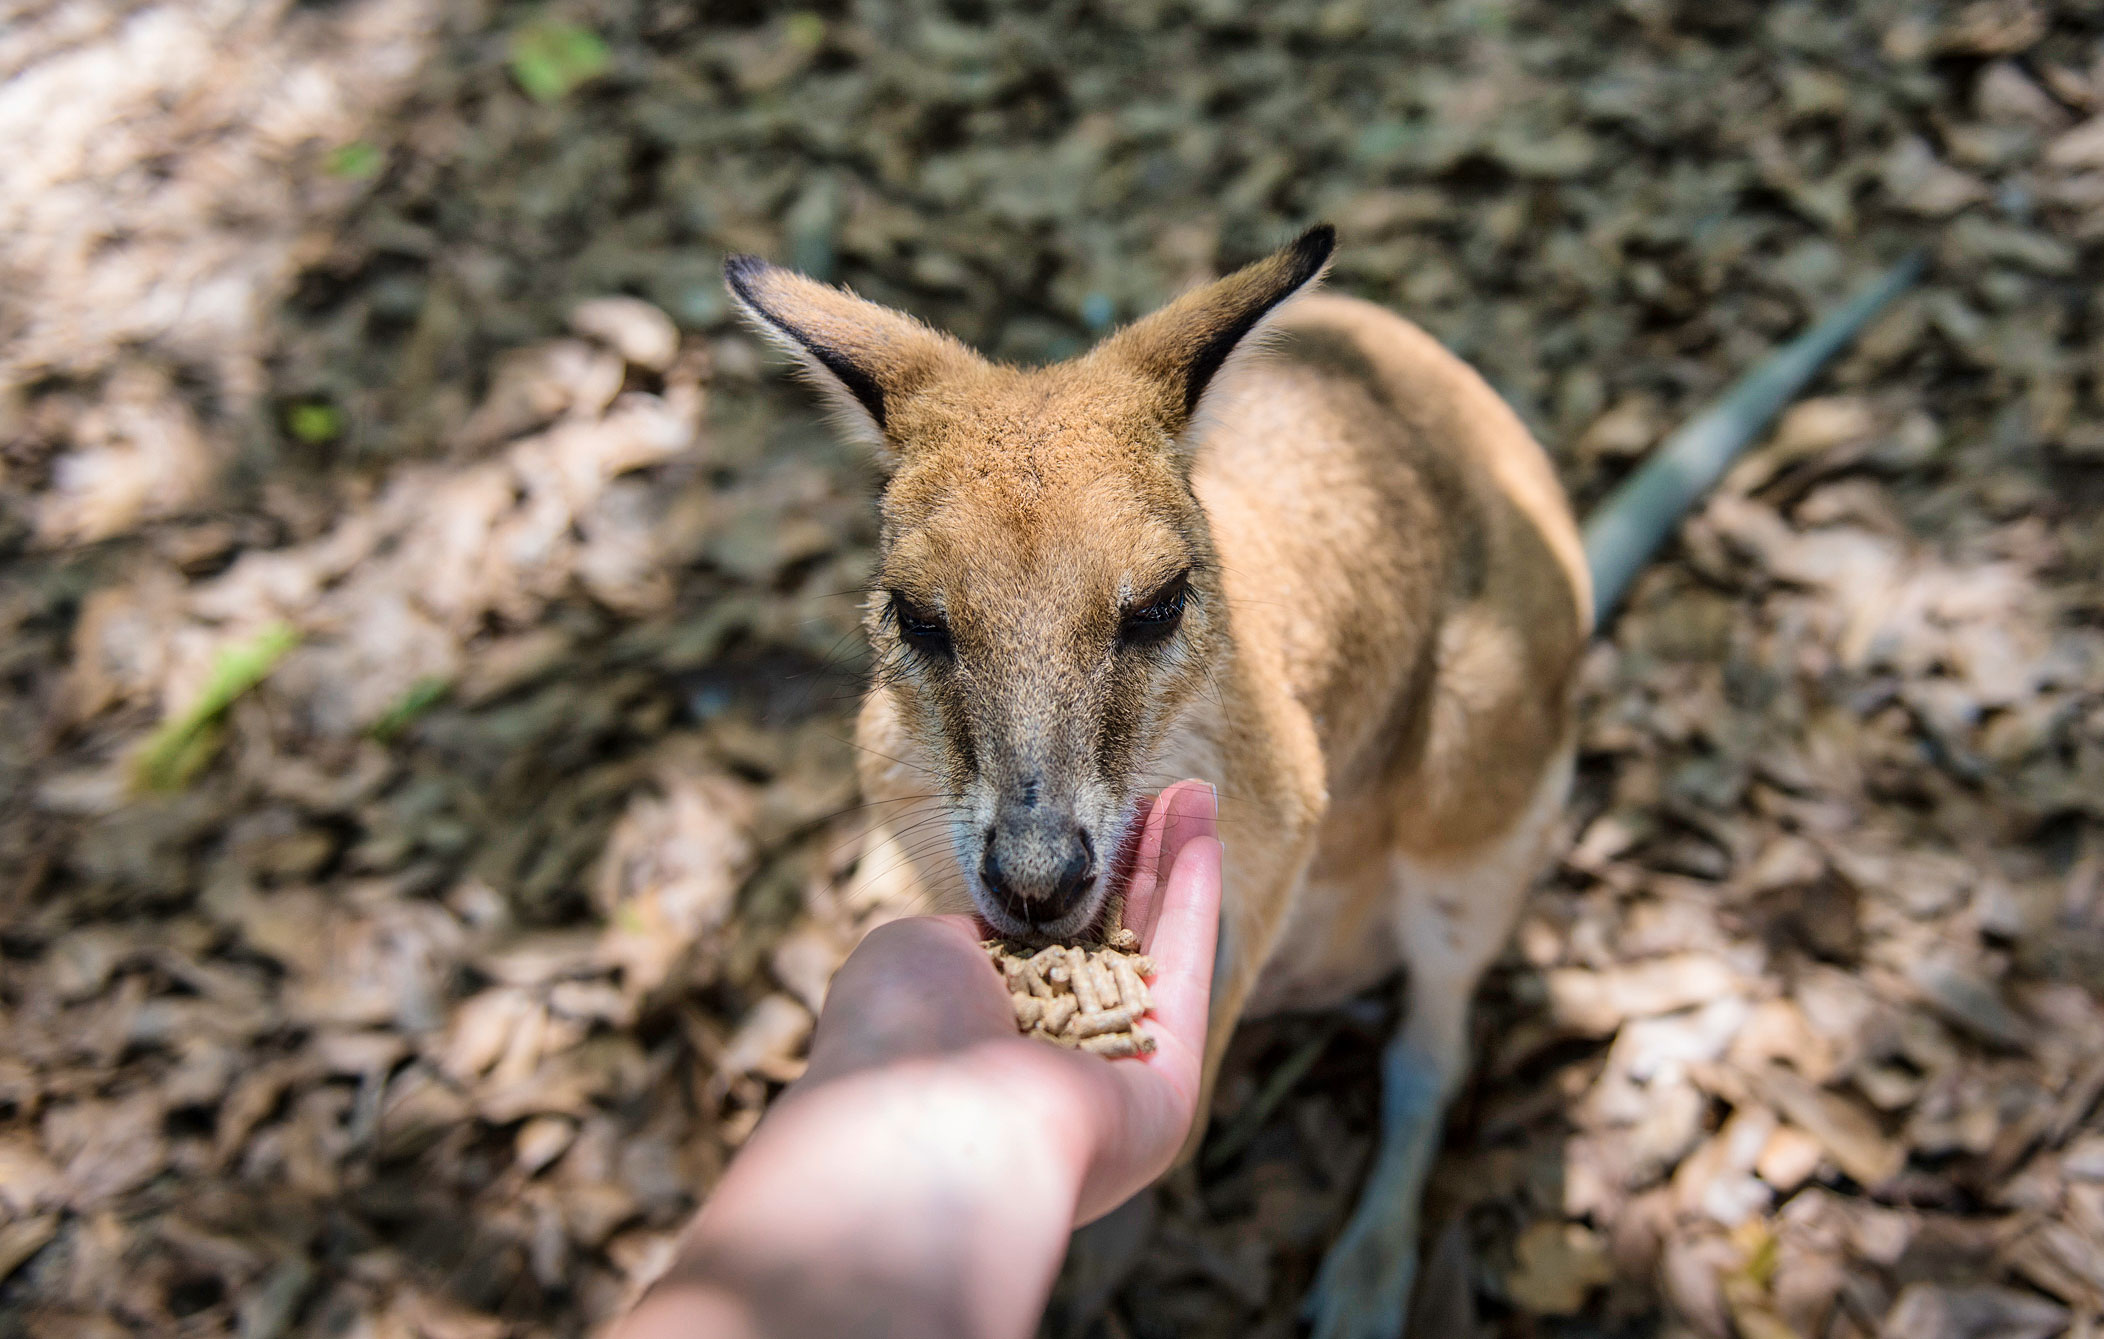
pixel 740 271
pixel 1311 250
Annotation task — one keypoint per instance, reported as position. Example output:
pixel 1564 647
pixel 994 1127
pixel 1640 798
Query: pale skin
pixel 923 1176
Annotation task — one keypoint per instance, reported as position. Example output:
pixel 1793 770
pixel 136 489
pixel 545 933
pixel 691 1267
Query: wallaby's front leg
pixel 1363 1288
pixel 1452 923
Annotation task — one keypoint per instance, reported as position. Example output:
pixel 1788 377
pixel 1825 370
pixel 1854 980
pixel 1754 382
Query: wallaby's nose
pixel 1039 863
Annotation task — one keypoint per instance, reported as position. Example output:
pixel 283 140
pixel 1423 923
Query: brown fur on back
pixel 1401 564
pixel 1417 495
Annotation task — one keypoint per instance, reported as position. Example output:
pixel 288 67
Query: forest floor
pixel 428 632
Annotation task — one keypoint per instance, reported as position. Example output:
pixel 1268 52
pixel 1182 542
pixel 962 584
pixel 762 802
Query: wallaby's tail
pixel 1636 518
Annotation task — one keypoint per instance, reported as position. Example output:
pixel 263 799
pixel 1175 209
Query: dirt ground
pixel 428 627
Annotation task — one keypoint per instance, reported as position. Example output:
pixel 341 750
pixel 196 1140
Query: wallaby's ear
pixel 865 357
pixel 1183 346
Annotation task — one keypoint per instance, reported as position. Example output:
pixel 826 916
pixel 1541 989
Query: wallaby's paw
pixel 1362 1290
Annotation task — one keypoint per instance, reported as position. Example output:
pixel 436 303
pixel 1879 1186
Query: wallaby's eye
pixel 1153 621
pixel 920 629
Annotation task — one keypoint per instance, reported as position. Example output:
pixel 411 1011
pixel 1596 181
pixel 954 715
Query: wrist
pixel 682 1308
pixel 932 1196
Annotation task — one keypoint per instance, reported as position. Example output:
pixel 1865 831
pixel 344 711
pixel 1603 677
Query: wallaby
pixel 1280 541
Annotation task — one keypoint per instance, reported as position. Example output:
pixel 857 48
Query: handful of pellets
pixel 1086 997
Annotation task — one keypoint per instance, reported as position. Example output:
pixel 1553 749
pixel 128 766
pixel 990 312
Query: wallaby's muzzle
pixel 1040 863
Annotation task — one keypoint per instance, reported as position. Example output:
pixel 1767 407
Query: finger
pixel 1186 810
pixel 1156 1096
pixel 1186 934
pixel 1140 888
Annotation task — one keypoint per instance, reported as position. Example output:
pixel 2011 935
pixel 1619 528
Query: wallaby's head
pixel 1046 601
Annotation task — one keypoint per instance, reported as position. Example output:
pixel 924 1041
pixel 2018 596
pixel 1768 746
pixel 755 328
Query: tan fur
pixel 1376 672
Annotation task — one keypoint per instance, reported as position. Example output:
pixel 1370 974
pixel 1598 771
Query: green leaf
pixel 806 31
pixel 356 160
pixel 186 741
pixel 549 58
pixel 421 696
pixel 315 422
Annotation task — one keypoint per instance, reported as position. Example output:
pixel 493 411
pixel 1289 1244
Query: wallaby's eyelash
pixel 1153 621
pixel 920 629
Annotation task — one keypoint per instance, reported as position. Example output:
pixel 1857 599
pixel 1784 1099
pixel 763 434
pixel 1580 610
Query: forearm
pixel 919 1199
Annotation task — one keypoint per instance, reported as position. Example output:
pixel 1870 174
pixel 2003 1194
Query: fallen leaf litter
pixel 385 948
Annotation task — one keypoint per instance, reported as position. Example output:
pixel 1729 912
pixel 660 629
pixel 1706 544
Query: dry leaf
pixel 1555 1267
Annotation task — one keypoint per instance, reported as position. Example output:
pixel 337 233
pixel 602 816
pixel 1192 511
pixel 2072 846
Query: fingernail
pixel 1212 801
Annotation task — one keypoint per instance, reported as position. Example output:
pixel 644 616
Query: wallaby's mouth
pixel 1106 892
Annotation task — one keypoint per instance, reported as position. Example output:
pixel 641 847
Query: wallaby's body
pixel 1339 580
pixel 1388 714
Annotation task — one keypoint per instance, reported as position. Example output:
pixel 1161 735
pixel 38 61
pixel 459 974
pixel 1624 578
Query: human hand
pixel 919 990
pixel 924 1173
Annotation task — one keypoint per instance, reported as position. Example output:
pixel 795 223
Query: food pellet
pixel 1085 996
pixel 1082 979
pixel 1118 1045
pixel 1058 1011
pixel 1107 993
pixel 1132 992
pixel 1101 1021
